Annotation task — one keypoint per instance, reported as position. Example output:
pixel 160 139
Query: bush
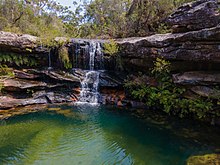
pixel 169 97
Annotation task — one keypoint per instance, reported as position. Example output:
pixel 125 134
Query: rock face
pixel 197 46
pixel 194 48
pixel 20 43
pixel 195 16
pixel 31 86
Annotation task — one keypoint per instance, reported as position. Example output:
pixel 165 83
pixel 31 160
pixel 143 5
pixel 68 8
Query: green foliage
pixel 163 29
pixel 45 19
pixel 5 73
pixel 17 59
pixel 64 57
pixel 125 18
pixel 167 96
pixel 111 48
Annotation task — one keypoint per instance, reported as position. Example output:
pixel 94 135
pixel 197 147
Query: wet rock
pixel 108 79
pixel 209 159
pixel 21 84
pixel 197 78
pixel 57 75
pixel 9 102
pixel 40 97
pixel 196 15
pixel 24 75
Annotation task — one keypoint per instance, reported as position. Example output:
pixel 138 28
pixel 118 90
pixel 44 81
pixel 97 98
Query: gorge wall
pixel 193 50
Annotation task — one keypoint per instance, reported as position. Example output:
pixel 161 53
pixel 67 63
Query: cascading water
pixel 89 92
pixel 49 60
pixel 92 52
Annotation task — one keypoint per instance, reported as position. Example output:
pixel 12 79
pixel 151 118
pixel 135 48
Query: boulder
pixel 195 16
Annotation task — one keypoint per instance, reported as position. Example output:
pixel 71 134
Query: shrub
pixel 169 97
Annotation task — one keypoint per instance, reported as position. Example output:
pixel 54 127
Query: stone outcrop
pixel 31 86
pixel 21 43
pixel 197 46
pixel 195 16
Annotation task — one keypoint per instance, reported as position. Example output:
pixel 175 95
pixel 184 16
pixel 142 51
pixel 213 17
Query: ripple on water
pixel 90 135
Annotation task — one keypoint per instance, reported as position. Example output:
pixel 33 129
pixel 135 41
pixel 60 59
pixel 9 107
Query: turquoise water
pixel 91 135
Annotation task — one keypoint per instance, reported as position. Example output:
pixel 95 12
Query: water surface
pixel 92 135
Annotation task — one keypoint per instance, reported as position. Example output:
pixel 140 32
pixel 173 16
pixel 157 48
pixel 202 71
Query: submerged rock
pixel 209 159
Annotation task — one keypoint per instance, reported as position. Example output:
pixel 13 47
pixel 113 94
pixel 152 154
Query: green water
pixel 89 135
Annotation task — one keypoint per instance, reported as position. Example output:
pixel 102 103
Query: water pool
pixel 92 135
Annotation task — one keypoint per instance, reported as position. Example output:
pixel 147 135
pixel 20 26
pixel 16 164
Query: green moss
pixel 64 57
pixel 111 48
pixel 209 159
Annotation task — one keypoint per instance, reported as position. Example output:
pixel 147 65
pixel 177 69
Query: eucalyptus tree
pixel 36 17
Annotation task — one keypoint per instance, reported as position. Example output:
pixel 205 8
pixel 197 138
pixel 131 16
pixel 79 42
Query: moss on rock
pixel 209 159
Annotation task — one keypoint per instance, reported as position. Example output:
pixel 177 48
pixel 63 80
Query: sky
pixel 67 2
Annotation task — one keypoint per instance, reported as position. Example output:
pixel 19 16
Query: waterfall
pixel 100 56
pixel 89 92
pixel 92 52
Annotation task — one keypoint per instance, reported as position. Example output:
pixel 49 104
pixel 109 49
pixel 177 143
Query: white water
pixel 92 52
pixel 89 92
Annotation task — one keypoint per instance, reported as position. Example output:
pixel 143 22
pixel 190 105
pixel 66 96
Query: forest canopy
pixel 91 19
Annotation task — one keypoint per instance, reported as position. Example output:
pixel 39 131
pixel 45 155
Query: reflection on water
pixel 92 135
